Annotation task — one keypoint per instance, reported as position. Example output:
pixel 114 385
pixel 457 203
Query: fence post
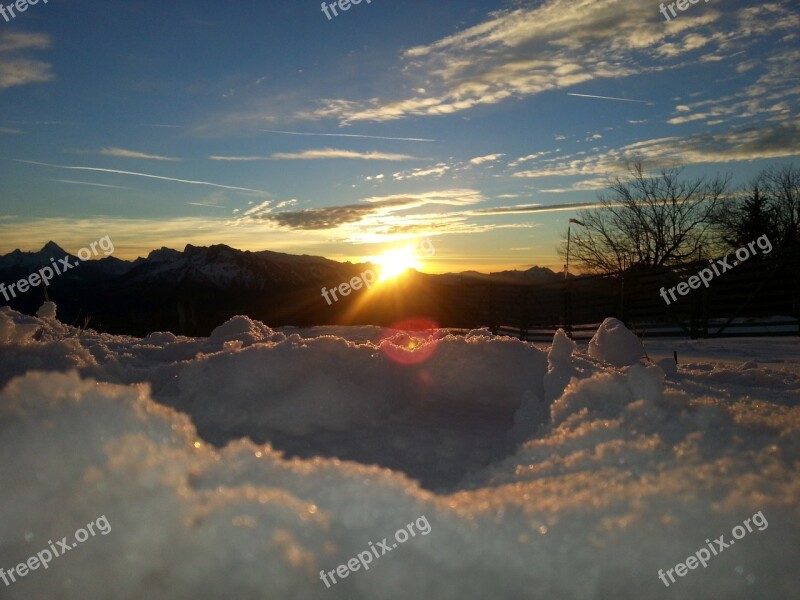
pixel 624 298
pixel 523 316
pixel 566 300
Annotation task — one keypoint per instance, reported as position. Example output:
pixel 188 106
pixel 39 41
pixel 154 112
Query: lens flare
pixel 410 342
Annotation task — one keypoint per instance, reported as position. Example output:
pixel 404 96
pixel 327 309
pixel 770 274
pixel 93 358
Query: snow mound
pixel 615 344
pixel 562 465
pixel 47 310
pixel 245 330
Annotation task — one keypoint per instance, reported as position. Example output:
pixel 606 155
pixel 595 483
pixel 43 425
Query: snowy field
pixel 241 465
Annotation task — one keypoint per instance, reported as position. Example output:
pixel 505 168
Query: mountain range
pixel 189 291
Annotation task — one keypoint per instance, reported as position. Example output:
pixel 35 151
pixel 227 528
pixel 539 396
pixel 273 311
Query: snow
pixel 47 310
pixel 239 465
pixel 616 344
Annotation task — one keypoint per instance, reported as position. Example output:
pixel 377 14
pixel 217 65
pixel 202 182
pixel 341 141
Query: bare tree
pixel 782 186
pixel 648 220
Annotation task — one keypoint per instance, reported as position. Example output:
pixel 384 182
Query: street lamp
pixel 571 221
pixel 567 308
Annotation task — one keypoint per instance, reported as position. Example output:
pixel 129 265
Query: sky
pixel 476 124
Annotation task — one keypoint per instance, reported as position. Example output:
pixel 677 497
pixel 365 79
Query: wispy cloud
pixel 14 41
pixel 434 171
pixel 554 45
pixel 369 209
pixel 348 135
pixel 774 95
pixel 743 144
pixel 324 153
pixel 9 131
pixel 530 157
pixel 479 160
pixel 598 183
pixel 239 158
pixel 205 204
pixel 148 176
pixel 319 154
pixel 16 69
pixel 532 208
pixel 122 153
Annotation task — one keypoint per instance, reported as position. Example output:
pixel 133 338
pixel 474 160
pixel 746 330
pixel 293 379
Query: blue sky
pixel 265 125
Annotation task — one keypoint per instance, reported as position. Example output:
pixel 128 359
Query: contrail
pixel 102 185
pixel 209 205
pixel 351 135
pixel 527 208
pixel 216 185
pixel 610 98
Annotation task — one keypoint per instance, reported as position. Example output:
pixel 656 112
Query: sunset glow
pixel 397 261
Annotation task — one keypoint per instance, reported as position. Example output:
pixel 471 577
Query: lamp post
pixel 569 233
pixel 567 317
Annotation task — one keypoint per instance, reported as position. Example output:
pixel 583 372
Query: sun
pixel 396 262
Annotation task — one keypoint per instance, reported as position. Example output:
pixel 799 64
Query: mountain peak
pixel 52 248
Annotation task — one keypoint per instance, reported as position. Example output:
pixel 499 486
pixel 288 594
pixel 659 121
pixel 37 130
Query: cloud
pixel 478 160
pixel 551 45
pixel 454 197
pixel 746 143
pixel 258 210
pixel 516 53
pixel 15 41
pixel 121 153
pixel 348 135
pixel 319 154
pixel 15 69
pixel 9 131
pixel 325 153
pixel 148 176
pixel 773 95
pixel 436 171
pixel 534 156
pixel 598 183
pixel 333 217
pixel 529 208
pixel 239 158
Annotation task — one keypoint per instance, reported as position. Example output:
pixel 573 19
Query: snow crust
pixel 579 475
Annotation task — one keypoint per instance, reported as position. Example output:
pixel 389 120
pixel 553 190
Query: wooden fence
pixel 760 296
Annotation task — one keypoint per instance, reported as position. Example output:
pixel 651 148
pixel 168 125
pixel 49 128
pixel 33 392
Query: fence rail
pixel 758 297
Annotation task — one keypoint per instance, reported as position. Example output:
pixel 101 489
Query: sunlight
pixel 397 261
